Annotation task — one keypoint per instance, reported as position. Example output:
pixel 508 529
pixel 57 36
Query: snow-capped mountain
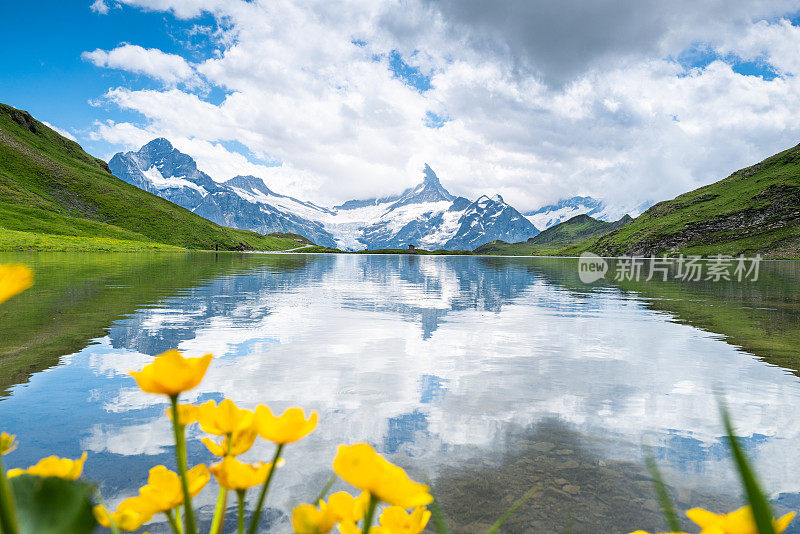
pixel 242 202
pixel 565 209
pixel 427 215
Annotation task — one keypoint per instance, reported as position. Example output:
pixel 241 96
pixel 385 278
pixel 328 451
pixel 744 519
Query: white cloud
pixel 626 122
pixel 100 7
pixel 61 131
pixel 169 68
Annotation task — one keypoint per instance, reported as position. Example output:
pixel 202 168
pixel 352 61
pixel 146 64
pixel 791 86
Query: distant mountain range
pixel 55 196
pixel 427 216
pixel 564 210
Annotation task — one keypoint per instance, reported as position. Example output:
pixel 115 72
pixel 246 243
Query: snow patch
pixel 159 181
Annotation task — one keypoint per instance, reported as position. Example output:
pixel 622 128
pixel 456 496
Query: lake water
pixel 484 376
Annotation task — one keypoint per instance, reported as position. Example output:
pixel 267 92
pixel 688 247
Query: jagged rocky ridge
pixel 427 215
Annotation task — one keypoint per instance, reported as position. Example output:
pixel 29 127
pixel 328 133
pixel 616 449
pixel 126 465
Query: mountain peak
pixel 429 190
pixel 159 144
pixel 249 182
pixel 430 176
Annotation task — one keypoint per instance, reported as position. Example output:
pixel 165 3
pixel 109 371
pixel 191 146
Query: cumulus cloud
pixel 61 131
pixel 152 62
pixel 544 100
pixel 561 40
pixel 100 7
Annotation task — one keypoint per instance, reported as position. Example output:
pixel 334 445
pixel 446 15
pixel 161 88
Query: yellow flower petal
pixel 223 418
pixel 102 516
pixel 241 441
pixel 396 519
pixel 288 427
pixel 163 491
pixel 214 448
pixel 170 373
pixel 232 474
pixel 187 414
pixel 197 477
pixel 14 279
pixel 702 517
pixel 53 466
pixel 365 469
pixel 345 507
pixel 127 517
pixel 740 521
pixel 7 443
pixel 308 519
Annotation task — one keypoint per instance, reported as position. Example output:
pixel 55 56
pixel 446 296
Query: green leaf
pixel 661 490
pixel 53 505
pixel 759 504
pixel 325 490
pixel 439 521
pixel 513 508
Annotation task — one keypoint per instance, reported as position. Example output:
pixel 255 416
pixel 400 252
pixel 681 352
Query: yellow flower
pixel 739 522
pixel 232 474
pixel 341 507
pixel 349 527
pixel 14 279
pixel 308 519
pixel 397 521
pixel 7 443
pixel 365 469
pixel 240 442
pixel 127 516
pixel 163 491
pixel 170 373
pixel 287 428
pixel 345 507
pixel 53 466
pixel 224 418
pixel 187 414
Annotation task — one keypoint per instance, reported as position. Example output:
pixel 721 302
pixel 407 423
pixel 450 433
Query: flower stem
pixel 173 522
pixel 373 503
pixel 219 512
pixel 240 495
pixel 222 498
pixel 180 457
pixel 263 494
pixel 8 511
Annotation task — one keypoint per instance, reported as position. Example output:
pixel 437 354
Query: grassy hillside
pixel 754 210
pixel 49 185
pixel 524 248
pixel 577 229
pixel 568 238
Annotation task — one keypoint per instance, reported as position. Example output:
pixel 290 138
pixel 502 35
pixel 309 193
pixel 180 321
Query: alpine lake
pixel 482 376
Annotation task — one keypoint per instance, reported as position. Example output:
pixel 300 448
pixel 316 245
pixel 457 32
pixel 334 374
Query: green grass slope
pixel 524 248
pixel 568 238
pixel 754 210
pixel 49 185
pixel 577 229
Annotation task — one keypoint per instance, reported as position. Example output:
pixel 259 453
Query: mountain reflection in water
pixel 485 376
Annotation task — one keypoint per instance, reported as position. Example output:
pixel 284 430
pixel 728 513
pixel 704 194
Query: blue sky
pixel 626 100
pixel 48 77
pixel 45 73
